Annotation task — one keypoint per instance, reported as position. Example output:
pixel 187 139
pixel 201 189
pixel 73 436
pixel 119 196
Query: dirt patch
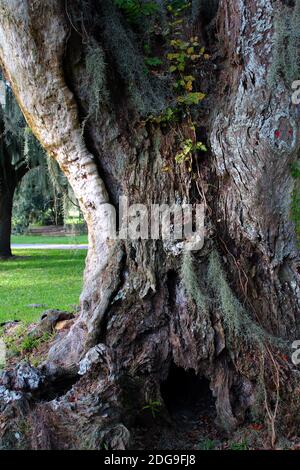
pixel 21 345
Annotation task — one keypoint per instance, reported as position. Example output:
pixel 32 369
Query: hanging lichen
pixel 191 282
pixel 237 320
pixel 96 84
pixel 147 93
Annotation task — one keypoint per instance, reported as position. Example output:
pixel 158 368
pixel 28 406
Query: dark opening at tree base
pixel 191 421
pixel 186 395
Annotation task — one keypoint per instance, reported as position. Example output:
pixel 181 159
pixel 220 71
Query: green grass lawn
pixel 52 278
pixel 67 240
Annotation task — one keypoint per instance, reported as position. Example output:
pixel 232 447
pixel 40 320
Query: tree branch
pixel 21 171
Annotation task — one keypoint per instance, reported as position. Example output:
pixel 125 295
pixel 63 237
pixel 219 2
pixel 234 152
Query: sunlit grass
pixel 52 278
pixel 37 239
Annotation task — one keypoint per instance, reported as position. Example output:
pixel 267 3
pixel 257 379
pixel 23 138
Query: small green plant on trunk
pixel 153 406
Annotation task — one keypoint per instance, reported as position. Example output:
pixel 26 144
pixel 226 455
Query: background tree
pixel 223 312
pixel 41 198
pixel 44 190
pixel 19 152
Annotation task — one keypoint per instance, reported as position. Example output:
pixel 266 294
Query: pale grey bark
pixel 32 42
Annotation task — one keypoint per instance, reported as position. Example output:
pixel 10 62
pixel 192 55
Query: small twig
pixel 70 19
pixel 243 286
pixel 272 415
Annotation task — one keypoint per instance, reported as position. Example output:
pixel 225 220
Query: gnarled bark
pixel 253 165
pixel 145 303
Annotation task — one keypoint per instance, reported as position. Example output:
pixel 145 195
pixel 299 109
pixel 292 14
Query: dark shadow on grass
pixel 13 258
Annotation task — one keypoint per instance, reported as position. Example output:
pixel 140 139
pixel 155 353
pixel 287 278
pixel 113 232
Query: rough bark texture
pixel 146 304
pixel 253 165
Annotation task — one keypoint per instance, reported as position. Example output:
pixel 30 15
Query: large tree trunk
pixel 253 165
pixel 147 304
pixel 6 205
